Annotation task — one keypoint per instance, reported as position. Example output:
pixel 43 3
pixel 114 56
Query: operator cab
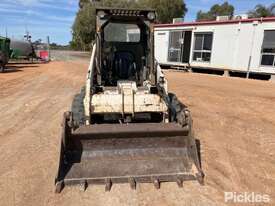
pixel 126 45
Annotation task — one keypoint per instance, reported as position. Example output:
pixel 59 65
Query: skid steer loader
pixel 124 127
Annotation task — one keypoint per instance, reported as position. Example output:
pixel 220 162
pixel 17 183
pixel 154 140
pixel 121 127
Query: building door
pixel 179 46
pixel 175 46
pixel 186 47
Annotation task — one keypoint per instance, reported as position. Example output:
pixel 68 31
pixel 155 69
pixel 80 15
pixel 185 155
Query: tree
pixel 166 9
pixel 83 29
pixel 119 3
pixel 82 3
pixel 224 9
pixel 262 11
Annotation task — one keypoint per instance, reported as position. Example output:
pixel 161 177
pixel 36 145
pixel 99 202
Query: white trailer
pixel 246 45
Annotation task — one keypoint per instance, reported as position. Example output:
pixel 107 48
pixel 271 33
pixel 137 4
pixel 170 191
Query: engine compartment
pixel 127 103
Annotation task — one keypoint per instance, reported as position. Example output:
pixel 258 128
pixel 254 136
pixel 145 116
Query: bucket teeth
pixel 59 186
pixel 132 183
pixel 108 185
pixel 156 183
pixel 180 182
pixel 200 178
pixel 83 185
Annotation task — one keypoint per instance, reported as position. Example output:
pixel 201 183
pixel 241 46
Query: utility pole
pixel 6 32
pixel 27 36
pixel 48 44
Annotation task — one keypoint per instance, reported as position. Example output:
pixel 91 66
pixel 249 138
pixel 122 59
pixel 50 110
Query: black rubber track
pixel 78 108
pixel 2 68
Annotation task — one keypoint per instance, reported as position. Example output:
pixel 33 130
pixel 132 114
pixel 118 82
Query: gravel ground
pixel 59 55
pixel 234 119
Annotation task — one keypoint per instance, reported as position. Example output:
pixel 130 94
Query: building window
pixel 203 47
pixel 268 49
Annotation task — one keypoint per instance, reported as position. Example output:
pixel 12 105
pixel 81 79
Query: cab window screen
pixel 116 32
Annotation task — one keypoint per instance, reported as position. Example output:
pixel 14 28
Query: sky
pixel 54 18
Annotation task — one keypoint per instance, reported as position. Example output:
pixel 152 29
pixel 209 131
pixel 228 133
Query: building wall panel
pixel 234 44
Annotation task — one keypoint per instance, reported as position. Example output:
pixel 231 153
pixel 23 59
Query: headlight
pixel 151 16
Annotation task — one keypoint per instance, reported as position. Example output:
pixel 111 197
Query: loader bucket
pixel 134 153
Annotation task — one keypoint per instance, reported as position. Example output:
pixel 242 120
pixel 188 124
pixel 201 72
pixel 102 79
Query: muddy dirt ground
pixel 234 119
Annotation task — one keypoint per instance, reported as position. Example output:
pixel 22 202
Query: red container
pixel 44 55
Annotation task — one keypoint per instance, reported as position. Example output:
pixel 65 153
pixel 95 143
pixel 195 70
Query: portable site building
pixel 245 45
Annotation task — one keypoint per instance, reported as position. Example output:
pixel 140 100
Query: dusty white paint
pixel 127 99
pixel 87 98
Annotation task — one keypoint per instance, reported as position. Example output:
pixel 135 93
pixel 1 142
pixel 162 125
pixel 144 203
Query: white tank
pixel 21 48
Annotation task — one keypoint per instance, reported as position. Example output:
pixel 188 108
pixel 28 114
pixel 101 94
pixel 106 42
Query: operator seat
pixel 125 66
